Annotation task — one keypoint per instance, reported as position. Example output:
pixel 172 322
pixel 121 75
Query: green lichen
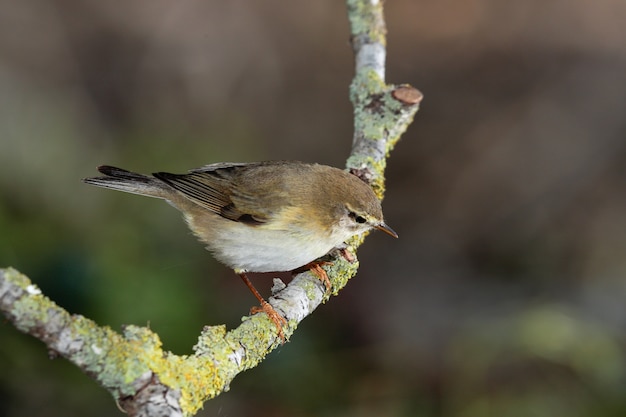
pixel 195 377
pixel 311 288
pixel 15 277
pixel 29 311
pixel 210 336
pixel 341 271
pixel 116 362
pixel 366 82
pixel 366 19
pixel 376 166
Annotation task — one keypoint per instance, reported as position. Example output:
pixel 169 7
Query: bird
pixel 269 216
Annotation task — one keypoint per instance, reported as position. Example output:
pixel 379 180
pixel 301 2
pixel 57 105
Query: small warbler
pixel 263 216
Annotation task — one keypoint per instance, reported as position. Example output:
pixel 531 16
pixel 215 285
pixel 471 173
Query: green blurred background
pixel 505 294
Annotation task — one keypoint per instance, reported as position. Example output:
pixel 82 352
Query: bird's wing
pixel 222 189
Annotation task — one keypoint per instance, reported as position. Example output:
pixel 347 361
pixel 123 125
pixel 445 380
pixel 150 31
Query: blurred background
pixel 505 294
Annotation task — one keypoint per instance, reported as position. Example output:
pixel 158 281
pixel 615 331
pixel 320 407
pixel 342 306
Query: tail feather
pixel 130 182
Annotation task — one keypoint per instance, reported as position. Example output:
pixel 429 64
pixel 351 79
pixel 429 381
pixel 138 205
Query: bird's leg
pixel 316 266
pixel 347 255
pixel 266 308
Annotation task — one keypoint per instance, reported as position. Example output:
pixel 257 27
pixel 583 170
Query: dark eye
pixel 357 218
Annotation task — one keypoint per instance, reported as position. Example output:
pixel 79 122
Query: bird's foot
pixel 316 268
pixel 273 315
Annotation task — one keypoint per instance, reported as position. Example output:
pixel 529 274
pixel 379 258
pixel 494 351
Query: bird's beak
pixel 382 226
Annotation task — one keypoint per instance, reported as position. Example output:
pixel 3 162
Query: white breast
pixel 267 250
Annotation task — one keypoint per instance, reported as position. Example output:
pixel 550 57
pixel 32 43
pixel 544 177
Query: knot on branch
pixel 407 95
pixel 152 399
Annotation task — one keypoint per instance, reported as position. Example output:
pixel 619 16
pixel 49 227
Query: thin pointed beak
pixel 383 227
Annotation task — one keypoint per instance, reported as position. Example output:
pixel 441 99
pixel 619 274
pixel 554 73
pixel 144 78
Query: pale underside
pixel 265 249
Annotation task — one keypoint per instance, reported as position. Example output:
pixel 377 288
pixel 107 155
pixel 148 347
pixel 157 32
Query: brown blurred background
pixel 505 294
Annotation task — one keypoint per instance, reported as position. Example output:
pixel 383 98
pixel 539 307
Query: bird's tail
pixel 130 182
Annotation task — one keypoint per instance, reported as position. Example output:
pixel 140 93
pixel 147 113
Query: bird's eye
pixel 357 218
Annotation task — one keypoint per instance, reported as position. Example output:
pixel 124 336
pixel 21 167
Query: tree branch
pixel 147 381
pixel 381 112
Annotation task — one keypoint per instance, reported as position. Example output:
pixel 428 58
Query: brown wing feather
pixel 202 192
pixel 221 189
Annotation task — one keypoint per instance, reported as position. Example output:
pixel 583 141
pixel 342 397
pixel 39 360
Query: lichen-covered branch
pixel 144 379
pixel 381 112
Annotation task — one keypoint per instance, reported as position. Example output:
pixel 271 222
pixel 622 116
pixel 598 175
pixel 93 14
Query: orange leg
pixel 266 308
pixel 316 268
pixel 348 256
